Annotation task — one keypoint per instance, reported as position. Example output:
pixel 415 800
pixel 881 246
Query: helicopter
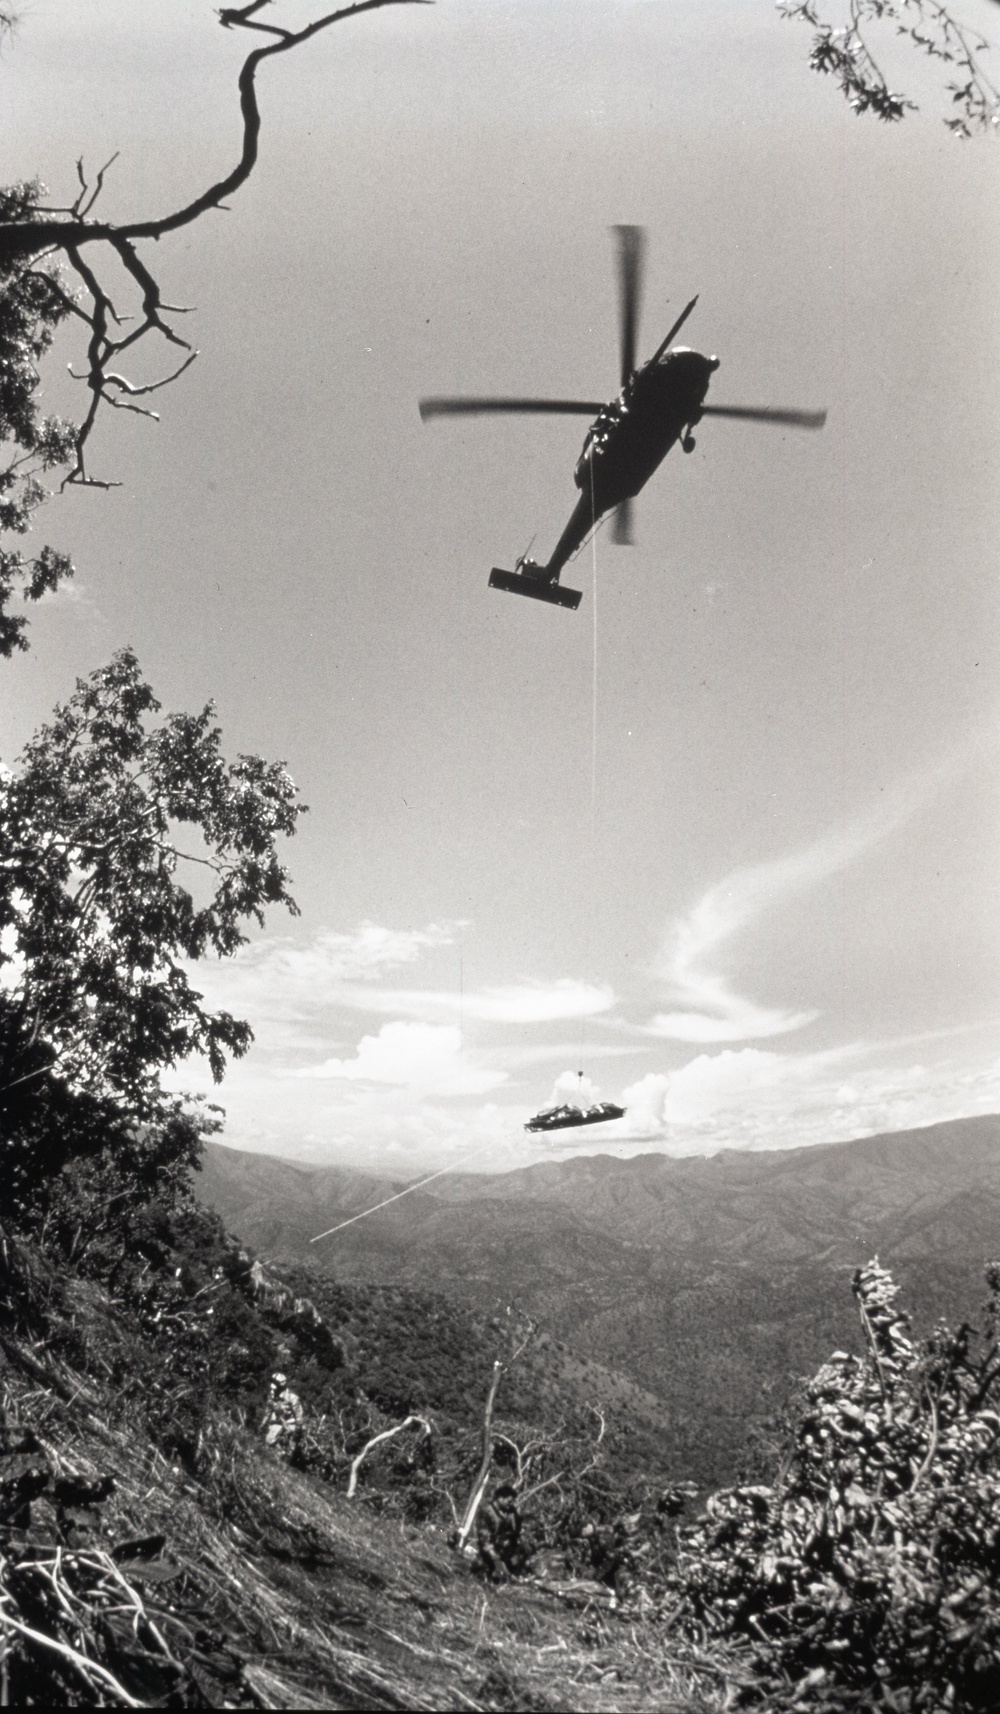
pixel 630 436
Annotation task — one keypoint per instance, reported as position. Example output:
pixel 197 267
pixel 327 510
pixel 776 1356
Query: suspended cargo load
pixel 563 1118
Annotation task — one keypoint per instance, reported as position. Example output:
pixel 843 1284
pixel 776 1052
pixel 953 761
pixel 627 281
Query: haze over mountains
pixel 710 1283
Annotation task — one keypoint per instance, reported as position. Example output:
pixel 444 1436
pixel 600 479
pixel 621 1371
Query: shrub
pixel 869 1573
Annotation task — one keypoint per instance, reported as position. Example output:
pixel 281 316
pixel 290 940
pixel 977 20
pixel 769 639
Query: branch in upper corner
pixel 33 237
pixel 844 51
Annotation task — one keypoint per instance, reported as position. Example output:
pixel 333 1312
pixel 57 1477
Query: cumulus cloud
pixel 710 1083
pixel 645 1106
pixel 707 1008
pixel 571 1089
pixel 426 1058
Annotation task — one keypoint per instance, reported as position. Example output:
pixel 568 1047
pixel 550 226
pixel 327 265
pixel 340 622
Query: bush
pixel 869 1574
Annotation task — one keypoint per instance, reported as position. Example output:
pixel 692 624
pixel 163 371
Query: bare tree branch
pixel 376 1440
pixel 478 1488
pixel 40 234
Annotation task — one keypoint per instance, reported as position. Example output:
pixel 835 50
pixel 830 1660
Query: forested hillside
pixel 710 1284
pixel 217 1490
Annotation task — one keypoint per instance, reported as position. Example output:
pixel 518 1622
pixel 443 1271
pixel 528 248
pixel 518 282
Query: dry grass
pixel 270 1591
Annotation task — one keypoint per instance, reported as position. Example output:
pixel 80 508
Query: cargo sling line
pixel 593 732
pixel 482 1147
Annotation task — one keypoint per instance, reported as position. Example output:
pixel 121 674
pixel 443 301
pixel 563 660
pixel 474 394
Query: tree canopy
pixel 111 826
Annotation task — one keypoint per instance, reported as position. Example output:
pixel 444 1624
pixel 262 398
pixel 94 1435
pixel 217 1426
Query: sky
pixel 726 838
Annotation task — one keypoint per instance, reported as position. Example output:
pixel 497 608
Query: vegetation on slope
pixel 157 1552
pixel 709 1284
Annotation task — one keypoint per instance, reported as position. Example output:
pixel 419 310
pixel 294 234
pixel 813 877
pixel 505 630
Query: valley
pixel 698 1289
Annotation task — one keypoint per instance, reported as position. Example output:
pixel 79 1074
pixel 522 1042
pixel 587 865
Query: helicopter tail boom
pixel 539 589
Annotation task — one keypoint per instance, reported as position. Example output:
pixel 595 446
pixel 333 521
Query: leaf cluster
pixel 868 1574
pixel 33 302
pixel 844 52
pixel 109 825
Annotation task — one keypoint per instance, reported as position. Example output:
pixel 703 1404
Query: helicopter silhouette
pixel 630 436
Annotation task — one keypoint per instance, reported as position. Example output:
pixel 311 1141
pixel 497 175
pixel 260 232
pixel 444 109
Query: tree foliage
pixel 32 304
pixel 846 52
pixel 868 1575
pixel 128 849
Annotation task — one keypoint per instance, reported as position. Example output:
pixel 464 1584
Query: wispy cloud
pixel 289 972
pixel 517 1003
pixel 524 1056
pixel 284 981
pixel 286 989
pixel 708 1009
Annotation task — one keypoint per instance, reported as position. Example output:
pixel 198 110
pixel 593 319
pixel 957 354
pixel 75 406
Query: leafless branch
pixel 43 234
pixel 376 1440
pixel 478 1488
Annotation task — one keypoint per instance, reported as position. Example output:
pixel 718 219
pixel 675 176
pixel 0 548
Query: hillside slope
pixel 710 1283
pixel 143 1565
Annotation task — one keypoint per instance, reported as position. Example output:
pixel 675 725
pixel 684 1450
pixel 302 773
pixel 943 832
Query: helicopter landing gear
pixel 530 568
pixel 537 581
pixel 688 442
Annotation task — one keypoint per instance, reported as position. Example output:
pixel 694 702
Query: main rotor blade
pixel 621 528
pixel 471 407
pixel 748 413
pixel 631 242
pixel 674 331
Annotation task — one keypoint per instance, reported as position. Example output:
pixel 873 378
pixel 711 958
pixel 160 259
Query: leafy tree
pixel 845 51
pixel 63 264
pixel 32 304
pixel 868 1575
pixel 97 825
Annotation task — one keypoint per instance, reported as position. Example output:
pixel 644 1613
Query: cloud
pixel 711 1083
pixel 709 1011
pixel 283 987
pixel 525 1056
pixel 290 971
pixel 645 1105
pixel 517 1003
pixel 69 593
pixel 426 1058
pixel 279 984
pixel 572 1089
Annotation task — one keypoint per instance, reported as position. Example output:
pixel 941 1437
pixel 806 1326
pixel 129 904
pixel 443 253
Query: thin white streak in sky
pixel 713 1012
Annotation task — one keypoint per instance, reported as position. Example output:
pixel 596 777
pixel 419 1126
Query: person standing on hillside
pixel 283 1417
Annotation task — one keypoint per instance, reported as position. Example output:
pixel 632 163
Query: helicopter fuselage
pixel 630 438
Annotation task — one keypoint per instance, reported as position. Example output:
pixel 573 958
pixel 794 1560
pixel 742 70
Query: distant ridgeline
pixel 702 1288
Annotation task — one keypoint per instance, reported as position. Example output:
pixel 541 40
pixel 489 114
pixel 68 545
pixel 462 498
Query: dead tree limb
pixel 39 236
pixel 376 1440
pixel 478 1488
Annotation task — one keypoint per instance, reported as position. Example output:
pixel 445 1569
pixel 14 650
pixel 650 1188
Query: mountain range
pixel 710 1284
